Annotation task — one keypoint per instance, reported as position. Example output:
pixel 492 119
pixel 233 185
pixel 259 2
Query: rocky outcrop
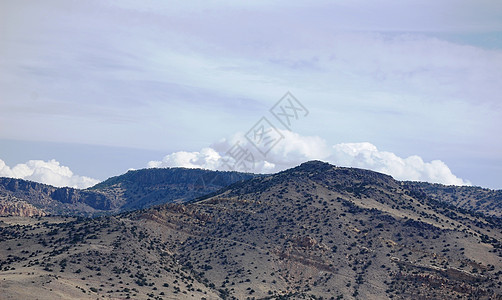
pixel 19 208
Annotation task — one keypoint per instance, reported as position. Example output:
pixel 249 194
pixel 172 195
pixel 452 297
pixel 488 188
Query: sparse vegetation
pixel 312 232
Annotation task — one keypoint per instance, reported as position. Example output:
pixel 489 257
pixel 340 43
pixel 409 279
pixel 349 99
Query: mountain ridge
pixel 137 189
pixel 132 190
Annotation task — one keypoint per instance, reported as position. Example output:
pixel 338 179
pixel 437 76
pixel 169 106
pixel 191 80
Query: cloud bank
pixel 295 149
pixel 48 172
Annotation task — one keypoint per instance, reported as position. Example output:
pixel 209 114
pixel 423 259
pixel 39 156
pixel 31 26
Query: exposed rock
pixel 19 208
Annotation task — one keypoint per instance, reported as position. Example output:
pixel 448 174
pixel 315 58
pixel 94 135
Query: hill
pixel 312 232
pixel 133 190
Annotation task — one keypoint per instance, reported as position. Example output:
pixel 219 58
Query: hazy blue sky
pixel 89 89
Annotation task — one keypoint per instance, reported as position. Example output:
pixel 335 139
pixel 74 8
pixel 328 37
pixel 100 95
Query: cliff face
pixel 19 208
pixel 47 198
pixel 93 199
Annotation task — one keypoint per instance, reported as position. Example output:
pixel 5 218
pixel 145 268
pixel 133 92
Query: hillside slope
pixel 309 232
pixel 485 201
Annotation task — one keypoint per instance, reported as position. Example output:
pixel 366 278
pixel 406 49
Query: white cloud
pixel 48 172
pixel 295 149
pixel 367 156
pixel 207 158
pixel 292 150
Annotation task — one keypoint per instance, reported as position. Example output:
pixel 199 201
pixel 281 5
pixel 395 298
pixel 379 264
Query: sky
pixel 91 89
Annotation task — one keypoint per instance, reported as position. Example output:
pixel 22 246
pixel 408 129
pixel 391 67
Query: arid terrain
pixel 316 231
pixel 133 190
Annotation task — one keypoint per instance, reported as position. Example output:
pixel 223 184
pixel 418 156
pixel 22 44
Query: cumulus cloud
pixel 294 149
pixel 238 153
pixel 367 156
pixel 48 172
pixel 207 158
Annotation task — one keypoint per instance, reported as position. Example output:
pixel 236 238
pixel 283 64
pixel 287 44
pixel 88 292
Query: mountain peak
pixel 312 166
pixel 315 163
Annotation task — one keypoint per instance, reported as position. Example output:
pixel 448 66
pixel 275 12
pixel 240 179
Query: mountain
pixel 316 231
pixel 148 187
pixel 133 190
